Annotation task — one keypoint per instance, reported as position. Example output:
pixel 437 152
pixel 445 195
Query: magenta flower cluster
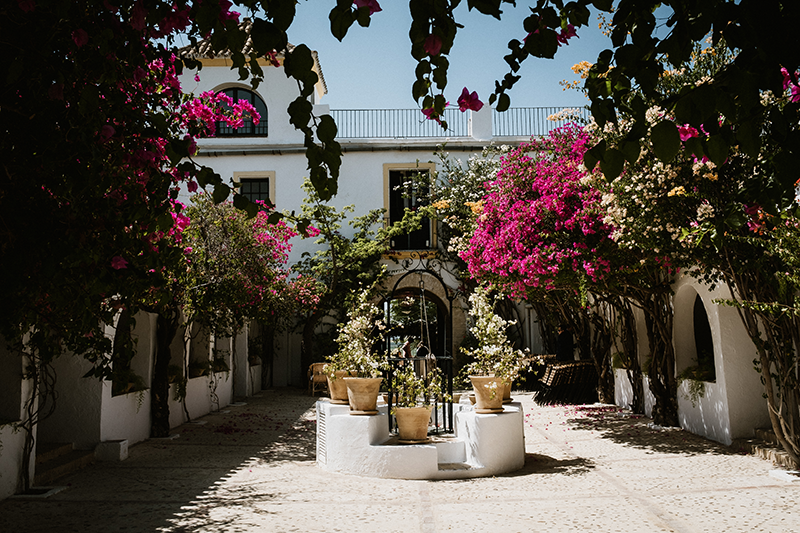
pixel 541 224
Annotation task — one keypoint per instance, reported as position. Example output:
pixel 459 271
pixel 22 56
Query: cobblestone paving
pixel 252 469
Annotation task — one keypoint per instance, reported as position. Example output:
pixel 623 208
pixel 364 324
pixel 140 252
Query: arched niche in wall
pixel 694 345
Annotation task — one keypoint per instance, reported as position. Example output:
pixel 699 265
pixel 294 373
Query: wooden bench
pixel 568 383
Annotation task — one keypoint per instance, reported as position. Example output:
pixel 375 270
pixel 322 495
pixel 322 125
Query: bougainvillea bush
pixel 541 225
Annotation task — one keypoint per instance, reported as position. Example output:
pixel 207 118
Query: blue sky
pixel 373 69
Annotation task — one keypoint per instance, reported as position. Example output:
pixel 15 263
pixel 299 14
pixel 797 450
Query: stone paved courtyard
pixel 252 468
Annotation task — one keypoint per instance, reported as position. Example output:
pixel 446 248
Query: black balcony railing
pixel 411 123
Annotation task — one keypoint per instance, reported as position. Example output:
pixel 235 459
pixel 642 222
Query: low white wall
pixel 623 392
pixel 126 416
pixel 11 459
pixel 198 395
pixel 708 416
pixel 77 415
pixel 11 446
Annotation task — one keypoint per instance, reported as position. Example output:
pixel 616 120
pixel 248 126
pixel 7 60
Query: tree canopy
pixel 96 135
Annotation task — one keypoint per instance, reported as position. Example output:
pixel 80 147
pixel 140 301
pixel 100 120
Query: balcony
pixel 411 124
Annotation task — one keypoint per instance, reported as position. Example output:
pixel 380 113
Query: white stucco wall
pixel 14 395
pixel 77 414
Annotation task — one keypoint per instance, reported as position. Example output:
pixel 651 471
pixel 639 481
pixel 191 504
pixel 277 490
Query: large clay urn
pixel 362 394
pixel 338 388
pixel 488 394
pixel 412 423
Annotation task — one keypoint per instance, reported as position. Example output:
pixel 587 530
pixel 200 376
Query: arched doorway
pixel 418 309
pixel 419 326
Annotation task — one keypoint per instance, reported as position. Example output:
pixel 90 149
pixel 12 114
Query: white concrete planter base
pixel 483 445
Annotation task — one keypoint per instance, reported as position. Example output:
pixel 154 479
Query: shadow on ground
pixel 182 484
pixel 622 427
pixel 544 464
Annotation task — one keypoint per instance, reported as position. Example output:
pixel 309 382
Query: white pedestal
pixel 483 445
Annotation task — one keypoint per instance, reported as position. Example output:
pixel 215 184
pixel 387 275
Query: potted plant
pixel 355 362
pixel 414 395
pixel 496 364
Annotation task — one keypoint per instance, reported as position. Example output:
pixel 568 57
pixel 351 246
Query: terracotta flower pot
pixel 412 423
pixel 488 394
pixel 363 395
pixel 338 388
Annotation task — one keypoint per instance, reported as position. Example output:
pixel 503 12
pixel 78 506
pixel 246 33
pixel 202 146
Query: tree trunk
pixel 167 327
pixel 663 384
pixel 630 351
pixel 268 354
pixel 602 339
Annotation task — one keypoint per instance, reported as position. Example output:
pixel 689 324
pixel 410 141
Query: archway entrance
pixel 419 327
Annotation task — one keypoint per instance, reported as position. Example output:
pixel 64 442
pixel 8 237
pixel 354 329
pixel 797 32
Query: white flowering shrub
pixel 358 334
pixel 494 353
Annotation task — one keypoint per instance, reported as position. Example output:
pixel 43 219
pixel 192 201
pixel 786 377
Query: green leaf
pixel 666 140
pixel 695 146
pixel 594 155
pixel 221 192
pixel 717 149
pixel 341 20
pixel 503 102
pixel 299 62
pixel 252 209
pixel 326 130
pixel 749 137
pixel 487 7
pixel 612 163
pixel 282 13
pixel 631 150
pixel 300 113
pixel 266 37
pixel 362 16
pixel 240 201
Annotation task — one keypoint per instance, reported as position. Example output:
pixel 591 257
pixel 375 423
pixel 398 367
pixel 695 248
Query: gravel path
pixel 252 469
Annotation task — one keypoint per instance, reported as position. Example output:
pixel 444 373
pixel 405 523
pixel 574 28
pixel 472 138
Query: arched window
pixel 248 128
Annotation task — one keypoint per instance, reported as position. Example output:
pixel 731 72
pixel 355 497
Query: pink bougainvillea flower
pixel 118 263
pixel 469 100
pixel 373 5
pixel 787 78
pixel 686 132
pixel 225 13
pixel 795 93
pixel 80 37
pixel 433 45
pixel 106 132
pixel 431 114
pixel 272 58
pixel 790 82
pixel 566 34
pixel 26 5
